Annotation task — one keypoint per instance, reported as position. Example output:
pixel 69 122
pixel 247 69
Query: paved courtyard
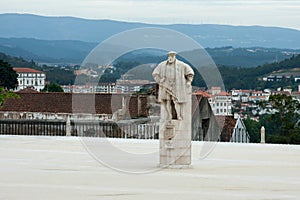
pixel 64 168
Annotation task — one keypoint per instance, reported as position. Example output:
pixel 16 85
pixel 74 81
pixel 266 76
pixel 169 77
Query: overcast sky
pixel 280 13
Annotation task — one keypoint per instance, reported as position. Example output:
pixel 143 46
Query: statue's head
pixel 171 57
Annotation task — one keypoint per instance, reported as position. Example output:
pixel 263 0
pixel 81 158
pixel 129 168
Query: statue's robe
pixel 178 90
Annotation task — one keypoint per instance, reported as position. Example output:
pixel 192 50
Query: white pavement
pixel 41 168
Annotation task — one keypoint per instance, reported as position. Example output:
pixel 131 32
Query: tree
pixel 8 77
pixel 4 94
pixel 52 87
pixel 281 126
pixel 253 128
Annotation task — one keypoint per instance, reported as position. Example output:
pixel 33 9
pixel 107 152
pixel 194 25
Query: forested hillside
pixel 251 78
pixel 233 77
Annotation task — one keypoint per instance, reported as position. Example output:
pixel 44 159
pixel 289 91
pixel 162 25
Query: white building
pixel 130 86
pixel 241 95
pixel 30 78
pixel 90 88
pixel 257 96
pixel 221 103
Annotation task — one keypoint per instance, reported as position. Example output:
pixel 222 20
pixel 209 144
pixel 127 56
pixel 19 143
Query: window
pixel 217 111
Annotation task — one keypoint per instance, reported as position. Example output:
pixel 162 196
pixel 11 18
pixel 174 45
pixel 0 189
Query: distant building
pixel 296 95
pixel 214 90
pixel 221 103
pixel 130 86
pixel 283 77
pixel 91 88
pixel 257 96
pixel 241 95
pixel 30 78
pixel 87 72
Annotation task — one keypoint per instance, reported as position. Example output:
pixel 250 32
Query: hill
pixel 233 77
pixel 17 61
pixel 228 56
pixel 74 52
pixel 46 51
pixel 251 78
pixel 208 35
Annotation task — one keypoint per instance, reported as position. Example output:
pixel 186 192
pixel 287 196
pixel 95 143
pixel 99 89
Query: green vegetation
pixel 233 77
pixel 253 128
pixel 8 77
pixel 247 57
pixel 18 62
pixel 5 94
pixel 251 78
pixel 53 87
pixel 283 126
pixel 121 67
pixel 59 76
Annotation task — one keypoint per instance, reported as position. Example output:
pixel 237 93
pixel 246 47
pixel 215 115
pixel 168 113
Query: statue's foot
pixel 179 118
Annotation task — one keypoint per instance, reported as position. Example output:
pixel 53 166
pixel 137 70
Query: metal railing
pixel 78 128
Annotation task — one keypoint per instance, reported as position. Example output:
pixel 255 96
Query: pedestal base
pixel 176 166
pixel 175 144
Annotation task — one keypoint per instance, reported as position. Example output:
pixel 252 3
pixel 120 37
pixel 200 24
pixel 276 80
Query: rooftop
pixel 58 102
pixel 26 70
pixel 223 93
pixel 202 93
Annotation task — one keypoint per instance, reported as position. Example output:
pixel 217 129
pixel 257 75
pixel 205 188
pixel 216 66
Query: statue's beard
pixel 171 62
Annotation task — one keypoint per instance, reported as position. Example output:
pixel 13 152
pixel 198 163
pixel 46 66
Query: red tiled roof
pixel 202 93
pixel 227 124
pixel 223 93
pixel 28 90
pixel 74 103
pixel 246 91
pixel 26 70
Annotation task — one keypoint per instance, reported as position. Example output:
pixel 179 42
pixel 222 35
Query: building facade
pixel 221 104
pixel 30 78
pixel 90 88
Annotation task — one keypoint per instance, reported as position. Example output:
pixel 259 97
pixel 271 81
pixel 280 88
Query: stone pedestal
pixel 175 139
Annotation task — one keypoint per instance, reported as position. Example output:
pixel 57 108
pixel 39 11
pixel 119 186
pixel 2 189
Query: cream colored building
pixel 30 78
pixel 221 103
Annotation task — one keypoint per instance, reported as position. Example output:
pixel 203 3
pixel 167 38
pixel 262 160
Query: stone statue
pixel 174 78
